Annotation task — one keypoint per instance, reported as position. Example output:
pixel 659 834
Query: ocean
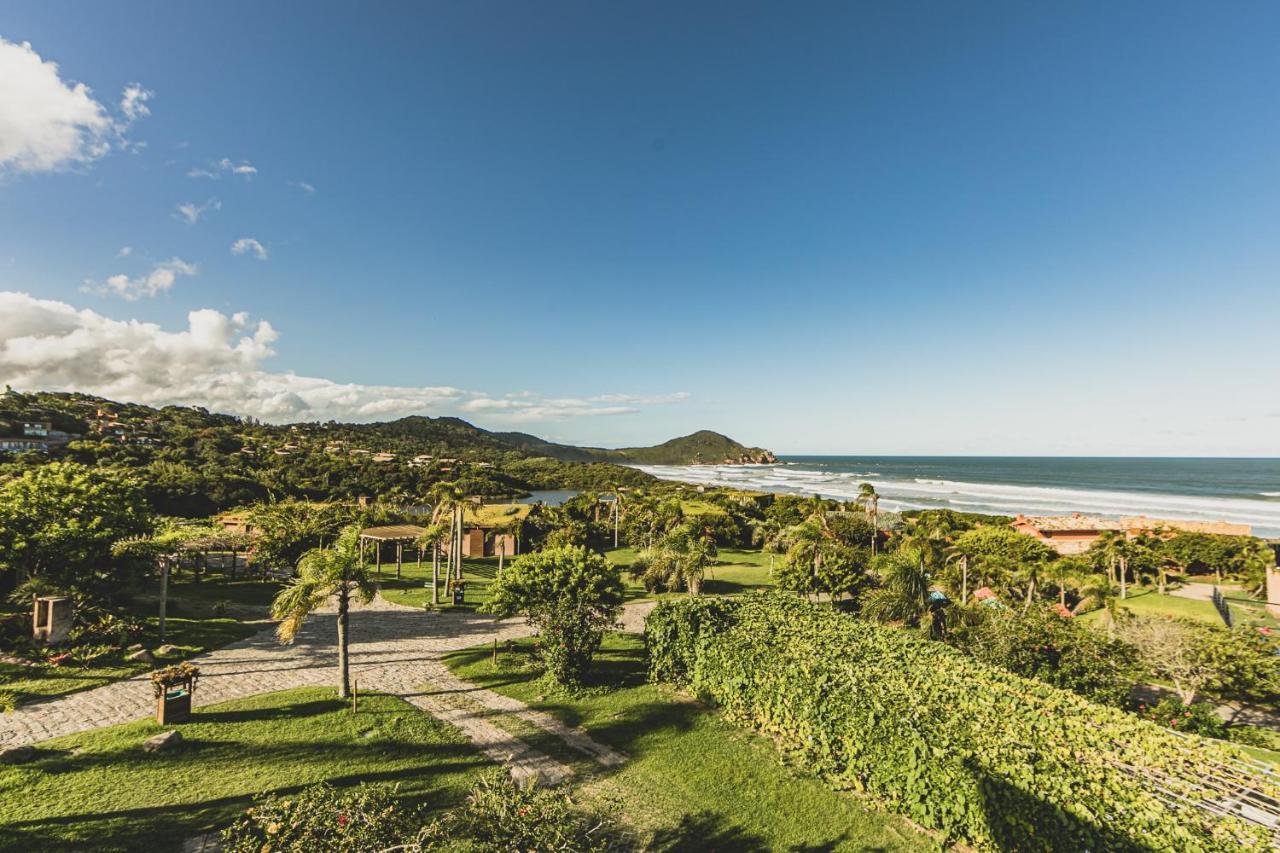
pixel 1245 491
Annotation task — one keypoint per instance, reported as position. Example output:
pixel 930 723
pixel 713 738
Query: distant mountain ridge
pixel 703 447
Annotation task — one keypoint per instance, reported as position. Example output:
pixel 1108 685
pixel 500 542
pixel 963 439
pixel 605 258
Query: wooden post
pixel 355 694
pixel 377 551
pixel 495 651
pixel 399 558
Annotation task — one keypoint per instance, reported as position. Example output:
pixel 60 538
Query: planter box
pixel 174 706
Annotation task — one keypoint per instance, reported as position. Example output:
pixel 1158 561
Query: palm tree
pixel 867 497
pixel 325 573
pixel 1108 549
pixel 448 498
pixel 1257 558
pixel 1102 595
pixel 904 594
pixel 430 538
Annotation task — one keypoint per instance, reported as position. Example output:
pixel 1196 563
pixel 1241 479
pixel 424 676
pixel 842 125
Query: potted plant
pixel 174 686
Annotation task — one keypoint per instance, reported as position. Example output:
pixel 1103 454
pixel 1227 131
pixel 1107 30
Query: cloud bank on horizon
pixel 216 362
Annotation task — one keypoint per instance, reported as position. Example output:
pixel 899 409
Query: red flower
pixel 342 820
pixel 523 811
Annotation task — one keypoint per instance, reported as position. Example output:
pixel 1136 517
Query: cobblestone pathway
pixel 394 649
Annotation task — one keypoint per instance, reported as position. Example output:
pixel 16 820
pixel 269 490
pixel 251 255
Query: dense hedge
pixel 986 757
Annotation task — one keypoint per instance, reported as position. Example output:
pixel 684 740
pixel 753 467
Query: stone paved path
pixel 394 649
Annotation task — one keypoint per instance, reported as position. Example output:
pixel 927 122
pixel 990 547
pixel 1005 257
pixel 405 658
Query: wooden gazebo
pixel 397 533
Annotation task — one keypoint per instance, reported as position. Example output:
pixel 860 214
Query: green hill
pixel 700 448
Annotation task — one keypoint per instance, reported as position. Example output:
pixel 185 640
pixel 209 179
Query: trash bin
pixel 459 593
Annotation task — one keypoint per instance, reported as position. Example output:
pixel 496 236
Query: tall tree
pixel 323 573
pixel 868 497
pixel 59 522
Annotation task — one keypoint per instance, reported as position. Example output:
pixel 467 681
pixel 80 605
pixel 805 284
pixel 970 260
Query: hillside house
pixel 1073 534
pixel 23 444
pixel 36 429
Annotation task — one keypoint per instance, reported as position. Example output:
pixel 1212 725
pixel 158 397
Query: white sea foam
pixel 1003 499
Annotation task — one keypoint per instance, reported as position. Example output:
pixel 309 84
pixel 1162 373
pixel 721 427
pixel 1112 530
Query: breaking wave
pixel 996 498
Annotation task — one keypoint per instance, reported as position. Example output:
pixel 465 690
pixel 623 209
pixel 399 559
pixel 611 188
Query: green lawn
pixel 195 623
pixel 411 589
pixel 100 791
pixel 1150 602
pixel 734 572
pixel 693 781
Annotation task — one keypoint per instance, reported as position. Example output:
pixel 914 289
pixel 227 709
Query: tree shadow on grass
pixel 437 781
pixel 281 712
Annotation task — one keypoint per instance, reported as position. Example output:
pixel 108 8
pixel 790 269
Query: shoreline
pixel 902 488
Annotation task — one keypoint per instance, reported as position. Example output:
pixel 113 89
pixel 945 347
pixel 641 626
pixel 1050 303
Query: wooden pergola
pixel 397 533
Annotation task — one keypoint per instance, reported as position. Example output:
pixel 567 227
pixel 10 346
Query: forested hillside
pixel 194 463
pixel 700 448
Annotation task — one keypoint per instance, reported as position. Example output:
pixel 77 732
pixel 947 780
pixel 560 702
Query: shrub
pixel 571 595
pixel 985 756
pixel 366 818
pixel 8 701
pixel 1198 718
pixel 1254 736
pixel 1045 646
pixel 672 636
pixel 500 816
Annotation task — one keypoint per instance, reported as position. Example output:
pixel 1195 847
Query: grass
pixel 1151 603
pixel 735 571
pixel 692 781
pixel 195 623
pixel 100 790
pixel 409 589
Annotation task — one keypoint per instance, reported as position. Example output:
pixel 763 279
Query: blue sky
pixel 863 228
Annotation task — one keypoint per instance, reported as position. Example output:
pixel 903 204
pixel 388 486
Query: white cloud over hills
pixel 217 362
pixel 48 124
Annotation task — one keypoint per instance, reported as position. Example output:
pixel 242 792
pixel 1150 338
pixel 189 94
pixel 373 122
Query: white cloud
pixel 190 212
pixel 47 124
pixel 226 166
pixel 217 362
pixel 125 251
pixel 246 245
pixel 543 409
pixel 304 186
pixel 133 103
pixel 159 280
pixel 646 399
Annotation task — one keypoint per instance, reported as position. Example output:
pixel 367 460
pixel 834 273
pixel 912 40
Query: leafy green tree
pixel 59 523
pixel 1004 559
pixel 323 573
pixel 571 595
pixel 1197 658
